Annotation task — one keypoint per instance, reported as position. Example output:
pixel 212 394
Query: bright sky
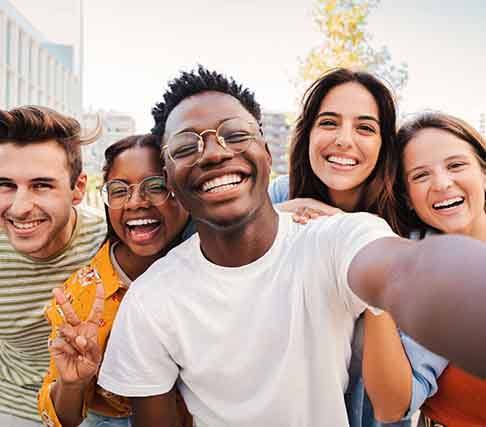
pixel 133 48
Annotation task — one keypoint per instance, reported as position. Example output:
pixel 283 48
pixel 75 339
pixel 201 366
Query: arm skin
pixel 435 290
pixel 387 373
pixel 154 411
pixel 68 401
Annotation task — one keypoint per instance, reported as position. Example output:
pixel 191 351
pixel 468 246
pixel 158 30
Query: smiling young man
pixel 254 315
pixel 44 237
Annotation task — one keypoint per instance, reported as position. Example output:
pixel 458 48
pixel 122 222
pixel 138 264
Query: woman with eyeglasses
pixel 144 222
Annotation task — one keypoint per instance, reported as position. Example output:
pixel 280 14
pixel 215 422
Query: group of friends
pixel 350 292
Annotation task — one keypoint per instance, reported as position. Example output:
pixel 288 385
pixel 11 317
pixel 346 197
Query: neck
pixel 68 231
pixel 346 200
pixel 133 265
pixel 478 229
pixel 240 244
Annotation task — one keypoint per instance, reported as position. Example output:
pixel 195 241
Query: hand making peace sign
pixel 75 349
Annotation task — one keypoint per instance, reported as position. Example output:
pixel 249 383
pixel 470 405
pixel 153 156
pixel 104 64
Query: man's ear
pixel 79 189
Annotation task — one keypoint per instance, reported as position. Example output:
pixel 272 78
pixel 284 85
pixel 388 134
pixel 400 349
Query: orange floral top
pixel 80 290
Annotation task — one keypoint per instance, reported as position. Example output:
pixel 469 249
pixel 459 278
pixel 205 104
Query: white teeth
pixel 26 225
pixel 221 188
pixel 345 161
pixel 448 202
pixel 224 182
pixel 146 221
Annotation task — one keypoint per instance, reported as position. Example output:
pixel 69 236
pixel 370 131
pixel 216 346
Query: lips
pixel 25 227
pixel 448 203
pixel 142 230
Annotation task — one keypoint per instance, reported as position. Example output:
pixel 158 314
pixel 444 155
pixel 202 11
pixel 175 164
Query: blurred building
pixel 115 126
pixel 276 130
pixel 32 69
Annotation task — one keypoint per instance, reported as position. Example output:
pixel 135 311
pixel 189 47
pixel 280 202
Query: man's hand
pixel 75 350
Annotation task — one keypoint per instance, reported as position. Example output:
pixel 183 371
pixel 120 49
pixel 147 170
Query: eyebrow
pixel 191 129
pixel 363 117
pixel 124 181
pixel 38 179
pixel 43 179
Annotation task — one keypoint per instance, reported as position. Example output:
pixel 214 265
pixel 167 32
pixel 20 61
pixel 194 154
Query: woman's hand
pixel 304 209
pixel 75 350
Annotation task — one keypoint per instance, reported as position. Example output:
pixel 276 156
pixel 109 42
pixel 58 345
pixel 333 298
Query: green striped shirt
pixel 25 288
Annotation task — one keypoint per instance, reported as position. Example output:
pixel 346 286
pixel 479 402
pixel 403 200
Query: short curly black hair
pixel 198 81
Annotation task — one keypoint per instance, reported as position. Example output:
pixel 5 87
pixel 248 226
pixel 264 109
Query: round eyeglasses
pixel 235 135
pixel 116 193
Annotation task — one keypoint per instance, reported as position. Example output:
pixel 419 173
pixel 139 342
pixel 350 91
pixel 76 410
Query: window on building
pixel 10 38
pixel 40 68
pixel 8 90
pixel 31 59
pixel 21 51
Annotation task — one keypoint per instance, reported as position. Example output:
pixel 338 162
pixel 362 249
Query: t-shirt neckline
pixel 242 272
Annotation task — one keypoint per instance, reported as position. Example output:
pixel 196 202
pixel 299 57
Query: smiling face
pixel 36 201
pixel 143 228
pixel 445 182
pixel 223 189
pixel 345 142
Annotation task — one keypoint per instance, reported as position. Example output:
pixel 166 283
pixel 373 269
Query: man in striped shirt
pixel 44 237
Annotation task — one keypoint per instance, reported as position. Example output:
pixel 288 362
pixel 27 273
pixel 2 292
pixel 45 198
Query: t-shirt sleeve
pixel 136 361
pixel 279 189
pixel 352 233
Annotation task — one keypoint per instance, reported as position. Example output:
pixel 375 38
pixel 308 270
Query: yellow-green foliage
pixel 346 43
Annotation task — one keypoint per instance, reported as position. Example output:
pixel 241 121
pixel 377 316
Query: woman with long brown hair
pixel 442 171
pixel 342 154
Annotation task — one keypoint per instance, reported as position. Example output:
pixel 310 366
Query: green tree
pixel 347 43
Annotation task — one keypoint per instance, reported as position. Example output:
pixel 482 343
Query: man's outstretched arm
pixel 435 290
pixel 155 411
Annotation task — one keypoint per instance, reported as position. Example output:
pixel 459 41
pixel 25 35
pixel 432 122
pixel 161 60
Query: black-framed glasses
pixel 235 135
pixel 116 193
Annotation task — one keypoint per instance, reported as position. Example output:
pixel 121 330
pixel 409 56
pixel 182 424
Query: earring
pixel 172 195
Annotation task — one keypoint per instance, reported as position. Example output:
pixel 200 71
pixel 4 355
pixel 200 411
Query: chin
pixel 452 228
pixel 227 222
pixel 145 251
pixel 27 248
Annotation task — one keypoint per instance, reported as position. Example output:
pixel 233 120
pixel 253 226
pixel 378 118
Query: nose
pixel 136 199
pixel 22 204
pixel 344 137
pixel 214 151
pixel 441 181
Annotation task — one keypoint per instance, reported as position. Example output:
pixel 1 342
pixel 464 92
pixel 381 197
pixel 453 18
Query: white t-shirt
pixel 265 344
